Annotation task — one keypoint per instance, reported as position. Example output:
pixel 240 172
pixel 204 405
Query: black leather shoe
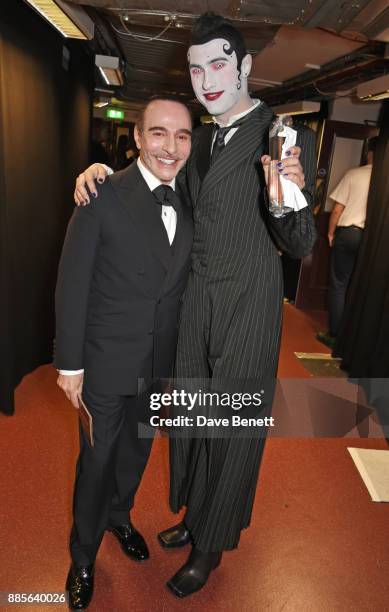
pixel 131 541
pixel 80 586
pixel 175 536
pixel 194 574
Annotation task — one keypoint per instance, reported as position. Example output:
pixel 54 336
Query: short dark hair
pixel 142 110
pixel 210 26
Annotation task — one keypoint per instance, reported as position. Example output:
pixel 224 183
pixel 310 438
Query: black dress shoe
pixel 80 586
pixel 131 541
pixel 194 574
pixel 175 536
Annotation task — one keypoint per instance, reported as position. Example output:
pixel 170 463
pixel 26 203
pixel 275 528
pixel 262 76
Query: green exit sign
pixel 114 113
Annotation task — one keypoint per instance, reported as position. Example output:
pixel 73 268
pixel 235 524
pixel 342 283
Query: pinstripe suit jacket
pixel 229 199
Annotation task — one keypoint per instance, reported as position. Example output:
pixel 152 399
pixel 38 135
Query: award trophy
pixel 276 140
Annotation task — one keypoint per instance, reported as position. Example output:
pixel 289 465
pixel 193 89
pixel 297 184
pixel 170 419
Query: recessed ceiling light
pixel 70 20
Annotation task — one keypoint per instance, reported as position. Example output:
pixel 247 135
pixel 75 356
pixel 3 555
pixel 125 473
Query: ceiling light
pixel 376 89
pixel 70 20
pixel 297 108
pixel 104 91
pixel 109 67
pixel 100 103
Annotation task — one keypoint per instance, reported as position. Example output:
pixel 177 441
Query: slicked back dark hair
pixel 162 98
pixel 210 26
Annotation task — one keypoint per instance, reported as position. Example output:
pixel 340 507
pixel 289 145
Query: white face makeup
pixel 215 77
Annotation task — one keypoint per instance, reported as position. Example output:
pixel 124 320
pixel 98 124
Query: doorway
pixel 343 146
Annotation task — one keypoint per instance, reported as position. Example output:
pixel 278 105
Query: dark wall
pixel 45 118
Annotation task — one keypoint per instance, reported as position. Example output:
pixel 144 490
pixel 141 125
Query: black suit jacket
pixel 120 287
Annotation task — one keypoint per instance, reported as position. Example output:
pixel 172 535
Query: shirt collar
pixel 234 118
pixel 152 181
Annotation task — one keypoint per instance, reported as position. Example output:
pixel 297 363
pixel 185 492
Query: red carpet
pixel 316 542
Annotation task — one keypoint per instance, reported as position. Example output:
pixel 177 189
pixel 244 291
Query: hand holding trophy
pixel 277 137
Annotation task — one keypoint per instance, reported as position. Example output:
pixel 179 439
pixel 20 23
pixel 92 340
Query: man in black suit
pixel 122 273
pixel 231 318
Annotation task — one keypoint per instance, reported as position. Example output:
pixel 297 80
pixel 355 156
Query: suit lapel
pixel 182 243
pixel 140 204
pixel 203 158
pixel 242 144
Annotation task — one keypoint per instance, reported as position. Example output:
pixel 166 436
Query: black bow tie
pixel 166 196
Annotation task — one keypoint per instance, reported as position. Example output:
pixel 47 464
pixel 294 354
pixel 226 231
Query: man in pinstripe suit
pixel 231 317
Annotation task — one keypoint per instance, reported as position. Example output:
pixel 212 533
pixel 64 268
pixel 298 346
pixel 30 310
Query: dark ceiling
pixel 151 36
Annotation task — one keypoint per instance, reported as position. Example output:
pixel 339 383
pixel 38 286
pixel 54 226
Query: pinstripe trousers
pixel 229 333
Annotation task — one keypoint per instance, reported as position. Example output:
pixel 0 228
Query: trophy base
pixel 279 210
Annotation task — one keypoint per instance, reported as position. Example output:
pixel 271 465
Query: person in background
pixel 125 154
pixel 99 147
pixel 345 232
pixel 121 160
pixel 131 155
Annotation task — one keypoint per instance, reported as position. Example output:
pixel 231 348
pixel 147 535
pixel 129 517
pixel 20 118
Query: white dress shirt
pixel 352 192
pixel 169 215
pixel 169 218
